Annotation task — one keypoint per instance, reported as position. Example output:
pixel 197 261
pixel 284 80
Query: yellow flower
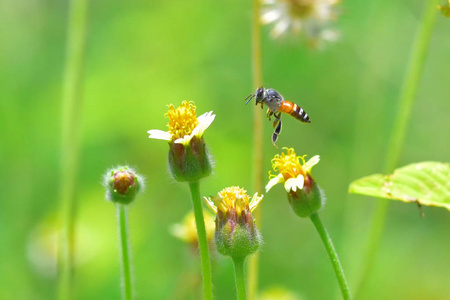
pixel 233 200
pixel 236 233
pixel 309 16
pixel 183 124
pixel 189 159
pixel 445 9
pixel 304 194
pixel 187 229
pixel 292 170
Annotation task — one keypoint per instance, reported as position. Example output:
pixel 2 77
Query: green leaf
pixel 427 183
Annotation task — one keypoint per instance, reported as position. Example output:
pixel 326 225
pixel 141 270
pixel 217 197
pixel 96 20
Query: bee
pixel 277 105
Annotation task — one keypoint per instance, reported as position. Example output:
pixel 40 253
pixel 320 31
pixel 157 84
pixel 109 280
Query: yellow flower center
pixel 301 8
pixel 233 197
pixel 182 120
pixel 288 164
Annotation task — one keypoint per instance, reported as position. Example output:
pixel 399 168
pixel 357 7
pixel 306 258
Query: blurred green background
pixel 143 55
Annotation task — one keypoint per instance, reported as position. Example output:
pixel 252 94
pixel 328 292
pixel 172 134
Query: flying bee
pixel 277 105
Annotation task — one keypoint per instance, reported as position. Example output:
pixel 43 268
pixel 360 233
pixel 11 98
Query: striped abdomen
pixel 294 110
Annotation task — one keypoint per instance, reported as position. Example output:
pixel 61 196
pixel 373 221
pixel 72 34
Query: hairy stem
pixel 72 90
pixel 202 241
pixel 122 220
pixel 240 278
pixel 332 254
pixel 397 140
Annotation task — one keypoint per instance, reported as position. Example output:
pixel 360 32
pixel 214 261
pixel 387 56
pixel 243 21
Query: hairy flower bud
pixel 122 184
pixel 304 195
pixel 189 162
pixel 308 200
pixel 189 159
pixel 236 233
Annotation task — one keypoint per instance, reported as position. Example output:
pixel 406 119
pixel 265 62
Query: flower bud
pixel 189 159
pixel 308 200
pixel 122 184
pixel 236 233
pixel 189 162
pixel 304 195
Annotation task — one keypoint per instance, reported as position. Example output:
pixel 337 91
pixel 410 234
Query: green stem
pixel 332 254
pixel 122 220
pixel 257 140
pixel 72 91
pixel 202 241
pixel 408 94
pixel 240 278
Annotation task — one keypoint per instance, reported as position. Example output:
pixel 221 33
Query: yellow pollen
pixel 182 120
pixel 234 197
pixel 288 164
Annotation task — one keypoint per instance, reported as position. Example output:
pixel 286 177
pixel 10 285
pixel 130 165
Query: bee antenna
pixel 249 97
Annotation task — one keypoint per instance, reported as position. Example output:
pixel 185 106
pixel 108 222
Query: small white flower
pixel 309 16
pixel 183 124
pixel 292 170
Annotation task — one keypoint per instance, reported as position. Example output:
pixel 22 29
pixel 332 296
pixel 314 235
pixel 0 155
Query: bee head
pixel 259 95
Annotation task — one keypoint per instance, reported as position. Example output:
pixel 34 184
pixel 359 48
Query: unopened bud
pixel 122 184
pixel 189 162
pixel 308 200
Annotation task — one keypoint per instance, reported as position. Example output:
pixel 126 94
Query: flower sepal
pixel 308 200
pixel 237 240
pixel 189 162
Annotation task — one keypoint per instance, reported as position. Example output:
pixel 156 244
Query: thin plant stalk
pixel 257 141
pixel 202 241
pixel 326 239
pixel 72 91
pixel 397 140
pixel 240 278
pixel 122 220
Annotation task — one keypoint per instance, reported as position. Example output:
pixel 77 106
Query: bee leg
pixel 277 131
pixel 269 114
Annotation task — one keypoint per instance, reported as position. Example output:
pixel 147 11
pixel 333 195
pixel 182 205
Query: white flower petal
pixel 210 204
pixel 281 27
pixel 204 121
pixel 270 15
pixel 255 201
pixel 159 135
pixel 294 183
pixel 274 181
pixel 311 163
pixel 185 140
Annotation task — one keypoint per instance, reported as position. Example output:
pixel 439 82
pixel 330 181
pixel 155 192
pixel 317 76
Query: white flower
pixel 183 124
pixel 292 170
pixel 309 16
